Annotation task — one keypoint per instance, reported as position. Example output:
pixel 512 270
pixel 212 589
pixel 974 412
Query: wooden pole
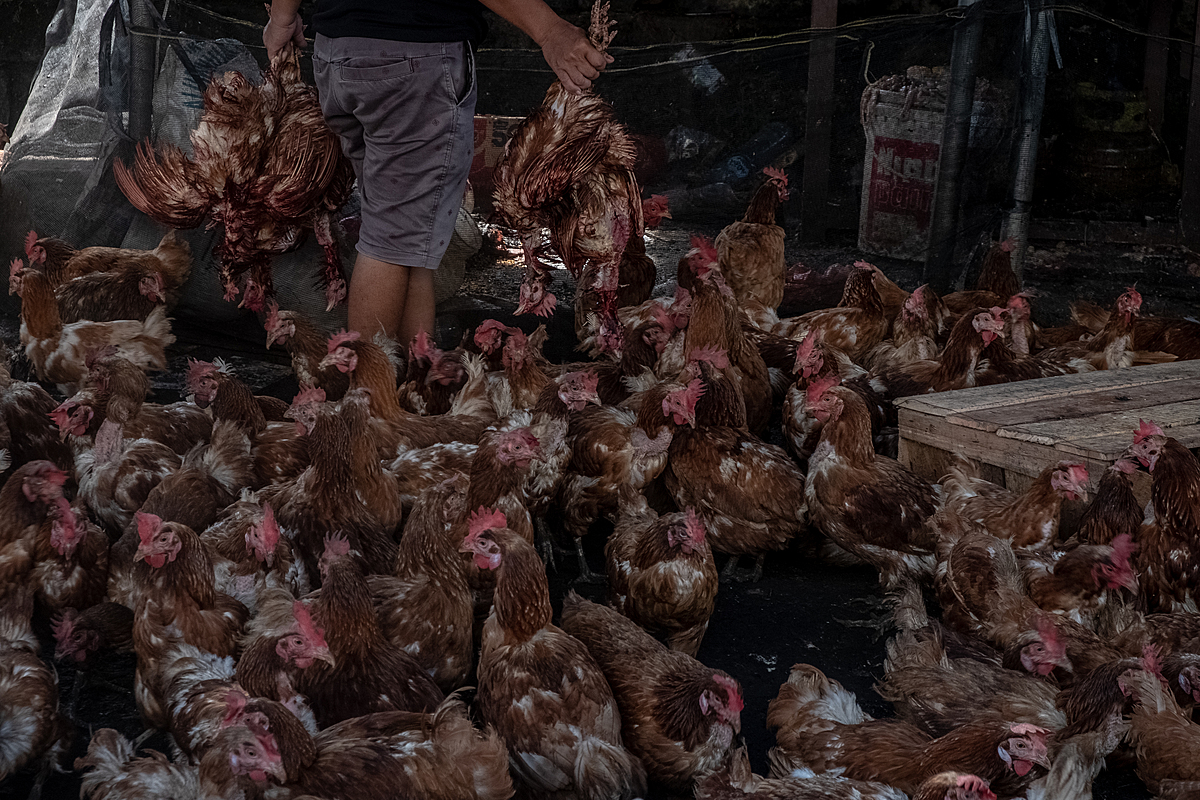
pixel 1154 80
pixel 1189 207
pixel 818 124
pixel 960 102
pixel 141 71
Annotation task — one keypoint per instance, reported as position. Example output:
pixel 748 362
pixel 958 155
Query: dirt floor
pixel 801 610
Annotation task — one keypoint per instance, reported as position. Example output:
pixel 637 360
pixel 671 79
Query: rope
pixel 750 44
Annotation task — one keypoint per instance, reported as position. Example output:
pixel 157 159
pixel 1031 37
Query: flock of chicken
pixel 308 586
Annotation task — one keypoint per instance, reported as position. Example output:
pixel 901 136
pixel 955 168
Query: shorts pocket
pixel 463 84
pixel 357 70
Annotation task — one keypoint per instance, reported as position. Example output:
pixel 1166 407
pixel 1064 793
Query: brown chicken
pixel 1112 346
pixel 751 249
pixel 679 717
pixel 821 727
pixel 324 498
pixel 368 674
pixel 370 366
pixel 1114 510
pixel 178 605
pixel 116 389
pixel 439 756
pixel 954 368
pixel 737 782
pixel 715 323
pixel 1076 582
pixel 70 561
pixel 113 773
pixel 1028 520
pixel 265 166
pixel 59 351
pixel 108 283
pixel 26 407
pixel 306 345
pixel 569 166
pixel 32 728
pixel 80 635
pixel 426 608
pixel 869 505
pixel 1169 554
pixel 250 548
pixel 749 492
pixel 613 447
pixel 280 641
pixel 1164 739
pixel 539 687
pixel 913 337
pixel 661 572
pixel 857 324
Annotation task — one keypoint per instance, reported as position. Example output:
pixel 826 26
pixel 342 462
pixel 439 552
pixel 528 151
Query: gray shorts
pixel 404 112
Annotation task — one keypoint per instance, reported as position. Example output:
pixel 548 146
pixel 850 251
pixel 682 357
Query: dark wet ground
pixel 800 611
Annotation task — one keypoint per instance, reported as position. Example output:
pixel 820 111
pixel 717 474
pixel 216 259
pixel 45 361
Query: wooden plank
pixel 818 128
pixel 1083 434
pixel 1060 386
pixel 1084 405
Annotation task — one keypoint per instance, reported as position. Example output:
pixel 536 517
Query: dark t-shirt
pixel 402 20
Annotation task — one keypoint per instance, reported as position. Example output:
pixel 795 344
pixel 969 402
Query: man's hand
pixel 571 55
pixel 283 26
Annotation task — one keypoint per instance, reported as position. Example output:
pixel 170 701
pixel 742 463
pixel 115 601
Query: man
pixel 396 80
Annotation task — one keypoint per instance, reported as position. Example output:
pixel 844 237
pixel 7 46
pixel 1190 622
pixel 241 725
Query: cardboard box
pixel 491 134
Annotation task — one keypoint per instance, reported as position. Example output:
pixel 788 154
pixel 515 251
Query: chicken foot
pixel 586 575
pixel 334 276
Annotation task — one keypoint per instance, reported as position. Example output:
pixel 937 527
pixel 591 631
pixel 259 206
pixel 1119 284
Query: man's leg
pixel 419 312
pixel 378 297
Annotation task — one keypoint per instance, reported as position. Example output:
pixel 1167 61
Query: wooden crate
pixel 1015 430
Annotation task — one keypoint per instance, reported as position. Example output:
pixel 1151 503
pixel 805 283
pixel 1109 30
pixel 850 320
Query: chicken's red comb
pixel 1077 473
pixel 1008 245
pixel 49 473
pixel 1055 647
pixel 270 528
pixel 235 704
pixel 716 357
pixel 63 624
pixel 776 174
pixel 1019 300
pixel 30 240
pixel 703 246
pixel 663 318
pixel 342 337
pixel 1146 430
pixel 733 693
pixel 147 526
pixel 304 622
pixel 976 785
pixel 819 387
pixel 1123 547
pixel 1023 728
pixel 1126 464
pixel 16 268
pixel 197 370
pixel 272 320
pixel 1151 660
pixel 422 346
pixel 694 525
pixel 866 265
pixel 336 545
pixel 805 348
pixel 1134 295
pixel 309 394
pixel 485 519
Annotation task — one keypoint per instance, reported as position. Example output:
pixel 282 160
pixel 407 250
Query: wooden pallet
pixel 1015 430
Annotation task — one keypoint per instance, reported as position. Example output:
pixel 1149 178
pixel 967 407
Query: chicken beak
pixel 326 362
pixel 323 654
pixel 1131 582
pixel 141 554
pixel 270 338
pixel 1042 760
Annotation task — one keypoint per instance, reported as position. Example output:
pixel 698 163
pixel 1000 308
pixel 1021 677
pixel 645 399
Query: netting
pixel 710 101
